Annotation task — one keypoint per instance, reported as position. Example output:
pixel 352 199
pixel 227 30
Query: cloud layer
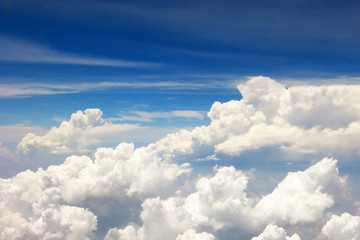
pixel 163 197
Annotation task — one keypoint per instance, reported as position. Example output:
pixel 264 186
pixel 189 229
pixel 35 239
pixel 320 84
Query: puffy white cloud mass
pixel 84 129
pixel 221 202
pixel 273 232
pixel 62 201
pixel 49 220
pixel 36 205
pixel 192 235
pixel 299 119
pixel 342 227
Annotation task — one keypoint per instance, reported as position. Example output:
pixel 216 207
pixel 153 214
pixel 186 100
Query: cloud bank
pixel 167 201
pixel 298 119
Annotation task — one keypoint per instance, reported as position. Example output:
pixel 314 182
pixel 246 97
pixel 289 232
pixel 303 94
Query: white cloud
pixel 51 220
pixel 33 89
pixel 120 172
pixel 297 119
pixel 50 203
pixel 273 232
pixel 37 204
pixel 83 130
pixel 220 203
pixel 192 235
pixel 303 196
pixel 142 116
pixel 129 233
pixel 342 227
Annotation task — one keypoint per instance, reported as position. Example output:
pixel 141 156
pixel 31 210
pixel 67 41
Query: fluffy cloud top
pixel 51 220
pixel 82 130
pixel 221 203
pixel 300 119
pixel 342 227
pixel 303 196
pixel 273 232
pixel 192 235
pixel 36 204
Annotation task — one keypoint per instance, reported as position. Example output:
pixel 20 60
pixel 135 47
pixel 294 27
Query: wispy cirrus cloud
pixel 143 116
pixel 18 51
pixel 32 89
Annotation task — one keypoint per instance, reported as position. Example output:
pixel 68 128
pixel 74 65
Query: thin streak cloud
pixel 34 89
pixel 15 51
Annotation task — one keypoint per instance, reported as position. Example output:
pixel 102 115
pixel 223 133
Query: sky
pixel 184 120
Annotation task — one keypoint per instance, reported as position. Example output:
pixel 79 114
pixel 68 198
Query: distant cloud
pixel 16 51
pixel 84 129
pixel 192 235
pixel 34 89
pixel 142 116
pixel 273 232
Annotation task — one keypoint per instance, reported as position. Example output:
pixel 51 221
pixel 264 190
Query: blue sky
pixel 79 75
pixel 207 47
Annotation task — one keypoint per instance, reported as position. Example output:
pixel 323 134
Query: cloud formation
pixel 84 129
pixel 221 203
pixel 41 204
pixel 62 202
pixel 345 226
pixel 16 90
pixel 297 119
pixel 142 116
pixel 273 232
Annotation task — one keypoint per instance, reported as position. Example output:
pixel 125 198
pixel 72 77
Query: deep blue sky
pixel 171 55
pixel 64 42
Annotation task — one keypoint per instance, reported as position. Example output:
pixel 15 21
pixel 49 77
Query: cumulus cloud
pixel 35 205
pixel 129 233
pixel 299 119
pixel 51 220
pixel 221 203
pixel 192 235
pixel 76 135
pixel 273 232
pixel 51 203
pixel 303 196
pixel 123 171
pixel 342 227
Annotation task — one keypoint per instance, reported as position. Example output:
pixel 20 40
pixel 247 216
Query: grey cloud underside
pixel 54 203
